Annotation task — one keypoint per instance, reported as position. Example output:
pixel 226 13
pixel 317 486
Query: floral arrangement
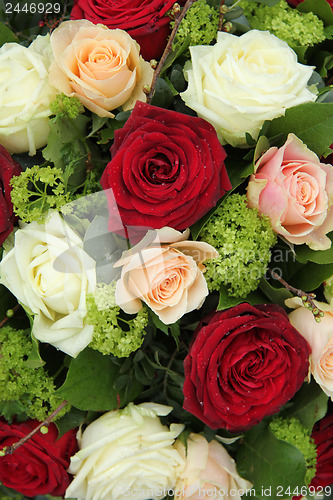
pixel 166 228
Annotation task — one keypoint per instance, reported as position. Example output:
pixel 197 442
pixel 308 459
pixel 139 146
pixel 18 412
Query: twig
pixel 9 450
pixel 222 11
pixel 307 298
pixel 6 318
pixel 167 49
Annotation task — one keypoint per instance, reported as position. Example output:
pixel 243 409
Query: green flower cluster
pixel 24 391
pixel 64 106
pixel 199 24
pixel 243 239
pixel 288 24
pixel 113 334
pixel 292 431
pixel 36 191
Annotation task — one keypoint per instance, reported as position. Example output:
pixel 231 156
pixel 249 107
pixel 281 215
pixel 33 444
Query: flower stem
pixel 167 49
pixel 307 298
pixel 9 450
pixel 221 15
pixel 6 318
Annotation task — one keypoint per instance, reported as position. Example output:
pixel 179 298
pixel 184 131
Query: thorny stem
pixel 6 318
pixel 221 15
pixel 307 298
pixel 9 450
pixel 167 49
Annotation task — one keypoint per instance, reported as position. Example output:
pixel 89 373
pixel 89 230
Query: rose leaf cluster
pixel 243 239
pixel 292 431
pixel 40 467
pixel 31 389
pixel 288 24
pixel 38 190
pixel 199 24
pixel 112 333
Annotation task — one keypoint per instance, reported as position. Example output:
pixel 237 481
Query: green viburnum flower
pixel 294 27
pixel 37 190
pixel 243 239
pixel 64 106
pixel 24 391
pixel 113 334
pixel 200 23
pixel 292 431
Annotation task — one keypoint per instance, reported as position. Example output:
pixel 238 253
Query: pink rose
pixel 209 471
pixel 164 271
pixel 295 191
pixel 320 338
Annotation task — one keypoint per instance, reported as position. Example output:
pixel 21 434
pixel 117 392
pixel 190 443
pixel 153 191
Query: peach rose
pixel 164 271
pixel 99 66
pixel 295 190
pixel 209 471
pixel 320 338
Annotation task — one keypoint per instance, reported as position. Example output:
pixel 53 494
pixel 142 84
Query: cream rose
pixel 320 338
pixel 209 472
pixel 295 191
pixel 240 82
pixel 99 66
pixel 25 95
pixel 165 271
pixel 126 454
pixel 50 274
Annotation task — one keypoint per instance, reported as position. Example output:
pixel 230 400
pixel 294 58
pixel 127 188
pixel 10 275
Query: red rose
pixel 38 467
pixel 145 20
pixel 322 434
pixel 8 168
pixel 294 3
pixel 244 364
pixel 167 169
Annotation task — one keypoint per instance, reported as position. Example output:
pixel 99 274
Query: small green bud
pixel 318 319
pixel 224 9
pixel 10 313
pixel 227 27
pixel 153 63
pixel 304 298
pixel 146 89
pixel 44 429
pixel 3 452
pixel 315 311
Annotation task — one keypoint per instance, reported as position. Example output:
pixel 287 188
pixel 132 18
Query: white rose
pixel 126 454
pixel 240 82
pixel 50 274
pixel 25 95
pixel 209 472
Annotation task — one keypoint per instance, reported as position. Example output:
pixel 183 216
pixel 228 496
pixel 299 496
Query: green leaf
pixel 321 8
pixel 311 276
pixel 305 254
pixel 34 360
pixel 107 134
pixel 89 384
pixel 311 122
pixel 275 295
pixel 6 35
pixel 173 329
pixel 270 464
pixel 309 404
pixel 73 418
pixel 97 123
pixel 227 301
pixel 163 94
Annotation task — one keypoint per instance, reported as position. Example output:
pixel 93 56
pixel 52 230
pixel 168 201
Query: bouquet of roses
pixel 166 228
